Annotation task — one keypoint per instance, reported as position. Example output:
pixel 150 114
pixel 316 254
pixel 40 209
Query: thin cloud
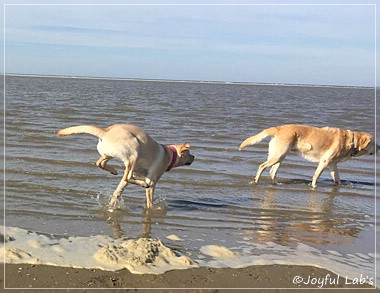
pixel 305 35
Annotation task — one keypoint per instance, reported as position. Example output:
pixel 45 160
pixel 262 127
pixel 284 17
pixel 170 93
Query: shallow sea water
pixel 52 185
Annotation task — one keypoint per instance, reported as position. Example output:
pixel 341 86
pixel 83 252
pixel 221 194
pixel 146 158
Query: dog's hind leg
pixel 277 153
pixel 102 164
pixel 119 189
pixel 263 166
pixel 128 172
pixel 273 171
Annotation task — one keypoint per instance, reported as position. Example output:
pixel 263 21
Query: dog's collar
pixel 355 149
pixel 174 157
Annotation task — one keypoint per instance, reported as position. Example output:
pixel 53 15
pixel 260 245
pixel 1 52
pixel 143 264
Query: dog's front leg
pixel 143 183
pixel 321 166
pixel 149 195
pixel 334 173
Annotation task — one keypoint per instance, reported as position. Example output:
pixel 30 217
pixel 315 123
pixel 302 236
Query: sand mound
pixel 142 256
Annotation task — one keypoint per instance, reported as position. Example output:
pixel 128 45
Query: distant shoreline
pixel 180 81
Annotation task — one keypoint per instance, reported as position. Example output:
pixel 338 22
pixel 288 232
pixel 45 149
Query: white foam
pixel 173 237
pixel 218 251
pixel 349 266
pixel 138 256
pixel 152 256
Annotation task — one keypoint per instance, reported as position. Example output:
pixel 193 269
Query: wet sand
pixel 274 276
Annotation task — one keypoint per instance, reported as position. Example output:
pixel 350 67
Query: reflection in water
pixel 116 218
pixel 314 222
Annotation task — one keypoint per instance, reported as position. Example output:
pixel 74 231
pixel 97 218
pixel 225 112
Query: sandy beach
pixel 271 277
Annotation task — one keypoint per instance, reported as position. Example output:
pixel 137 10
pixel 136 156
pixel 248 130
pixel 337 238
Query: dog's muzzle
pixel 355 151
pixel 191 161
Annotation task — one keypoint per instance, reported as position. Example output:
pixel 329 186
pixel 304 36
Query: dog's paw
pixel 253 182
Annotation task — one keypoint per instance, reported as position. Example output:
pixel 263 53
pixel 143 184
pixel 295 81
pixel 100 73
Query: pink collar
pixel 174 157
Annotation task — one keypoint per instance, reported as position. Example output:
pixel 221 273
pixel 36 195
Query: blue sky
pixel 313 44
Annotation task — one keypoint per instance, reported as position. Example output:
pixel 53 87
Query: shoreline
pixel 26 276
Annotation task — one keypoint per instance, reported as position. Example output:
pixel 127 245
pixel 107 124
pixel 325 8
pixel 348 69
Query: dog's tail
pixel 258 137
pixel 93 130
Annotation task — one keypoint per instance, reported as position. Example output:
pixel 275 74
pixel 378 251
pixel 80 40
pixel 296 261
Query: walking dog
pixel 327 146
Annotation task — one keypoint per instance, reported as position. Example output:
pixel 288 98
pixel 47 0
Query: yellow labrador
pixel 145 160
pixel 328 146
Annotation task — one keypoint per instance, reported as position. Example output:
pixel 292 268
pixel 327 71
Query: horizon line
pixel 35 75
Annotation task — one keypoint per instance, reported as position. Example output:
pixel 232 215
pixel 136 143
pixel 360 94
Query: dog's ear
pixel 182 148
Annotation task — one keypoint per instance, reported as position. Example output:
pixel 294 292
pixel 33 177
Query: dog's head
pixel 183 153
pixel 364 144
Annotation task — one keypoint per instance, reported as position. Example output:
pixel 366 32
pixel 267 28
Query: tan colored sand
pixel 274 276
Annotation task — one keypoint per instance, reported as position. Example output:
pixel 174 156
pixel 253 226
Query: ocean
pixel 53 188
